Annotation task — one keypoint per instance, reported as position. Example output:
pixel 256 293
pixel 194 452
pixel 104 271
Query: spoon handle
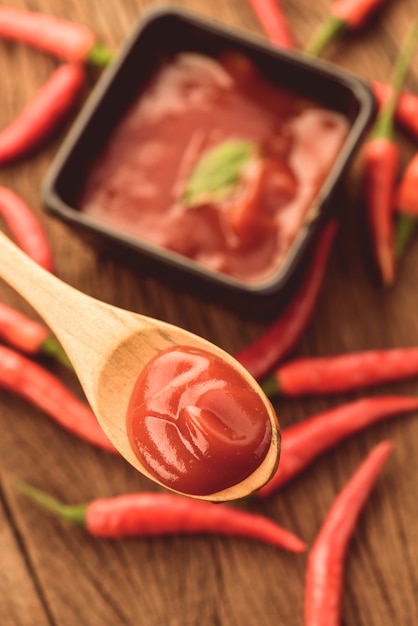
pixel 71 314
pixel 35 284
pixel 46 293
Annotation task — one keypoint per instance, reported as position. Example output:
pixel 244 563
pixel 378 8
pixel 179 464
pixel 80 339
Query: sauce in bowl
pixel 215 163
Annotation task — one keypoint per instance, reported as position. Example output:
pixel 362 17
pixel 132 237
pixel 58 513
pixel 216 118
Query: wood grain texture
pixel 53 574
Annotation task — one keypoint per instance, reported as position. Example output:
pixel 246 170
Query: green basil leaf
pixel 217 172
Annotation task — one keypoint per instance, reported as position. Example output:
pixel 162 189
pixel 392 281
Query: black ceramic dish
pixel 162 33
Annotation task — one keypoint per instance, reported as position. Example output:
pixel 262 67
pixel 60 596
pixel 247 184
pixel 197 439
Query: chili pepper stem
pixel 327 32
pixel 52 348
pixel 74 514
pixel 270 386
pixel 100 55
pixel 405 227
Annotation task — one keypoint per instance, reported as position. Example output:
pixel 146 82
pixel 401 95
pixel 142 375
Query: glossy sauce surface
pixel 192 105
pixel 195 423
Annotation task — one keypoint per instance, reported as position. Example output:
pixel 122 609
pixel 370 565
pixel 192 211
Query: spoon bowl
pixel 108 347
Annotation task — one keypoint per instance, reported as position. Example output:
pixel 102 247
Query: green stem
pixel 100 55
pixel 330 30
pixel 269 386
pixel 52 348
pixel 74 514
pixel 384 126
pixel 406 226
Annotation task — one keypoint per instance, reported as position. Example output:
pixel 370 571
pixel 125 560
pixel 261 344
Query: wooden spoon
pixel 108 347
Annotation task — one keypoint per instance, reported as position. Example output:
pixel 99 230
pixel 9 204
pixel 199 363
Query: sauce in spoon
pixel 195 423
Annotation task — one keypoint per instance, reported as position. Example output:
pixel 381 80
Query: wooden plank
pixel 21 601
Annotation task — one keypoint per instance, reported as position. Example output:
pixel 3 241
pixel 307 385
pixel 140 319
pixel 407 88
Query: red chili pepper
pixel 355 13
pixel 282 335
pixel 325 569
pixel 29 335
pixel 406 113
pixel 43 114
pixel 273 21
pixel 343 372
pixel 304 442
pixel 345 15
pixel 61 38
pixel 406 203
pixel 25 228
pixel 381 163
pixel 381 158
pixel 35 384
pixel 152 514
pixel 407 192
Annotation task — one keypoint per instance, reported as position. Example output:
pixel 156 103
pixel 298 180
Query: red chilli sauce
pixel 192 108
pixel 195 423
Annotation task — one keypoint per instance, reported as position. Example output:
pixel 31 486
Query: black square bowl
pixel 158 35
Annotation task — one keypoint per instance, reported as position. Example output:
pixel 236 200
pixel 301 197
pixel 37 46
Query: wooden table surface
pixel 54 574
